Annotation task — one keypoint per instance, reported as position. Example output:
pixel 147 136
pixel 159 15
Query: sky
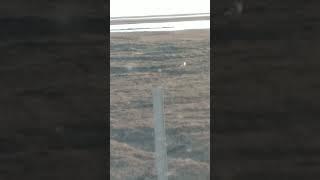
pixel 120 8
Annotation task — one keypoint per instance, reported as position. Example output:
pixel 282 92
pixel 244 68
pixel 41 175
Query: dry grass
pixel 140 61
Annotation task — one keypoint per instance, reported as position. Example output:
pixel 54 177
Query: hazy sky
pixel 157 7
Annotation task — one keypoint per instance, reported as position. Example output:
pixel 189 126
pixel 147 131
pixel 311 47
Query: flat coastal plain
pixel 179 62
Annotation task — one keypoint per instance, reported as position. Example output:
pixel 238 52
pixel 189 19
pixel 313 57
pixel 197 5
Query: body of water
pixel 160 23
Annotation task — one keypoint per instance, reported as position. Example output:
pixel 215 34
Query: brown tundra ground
pixel 140 61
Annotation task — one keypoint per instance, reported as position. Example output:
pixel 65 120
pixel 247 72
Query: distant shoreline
pixel 161 26
pixel 159 18
pixel 186 34
pixel 171 22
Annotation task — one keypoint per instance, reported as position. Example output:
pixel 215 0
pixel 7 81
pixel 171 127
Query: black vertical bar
pixel 107 8
pixel 212 87
pixel 53 90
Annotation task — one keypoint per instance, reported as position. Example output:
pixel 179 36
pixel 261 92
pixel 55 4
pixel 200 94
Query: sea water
pixel 162 26
pixel 160 22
